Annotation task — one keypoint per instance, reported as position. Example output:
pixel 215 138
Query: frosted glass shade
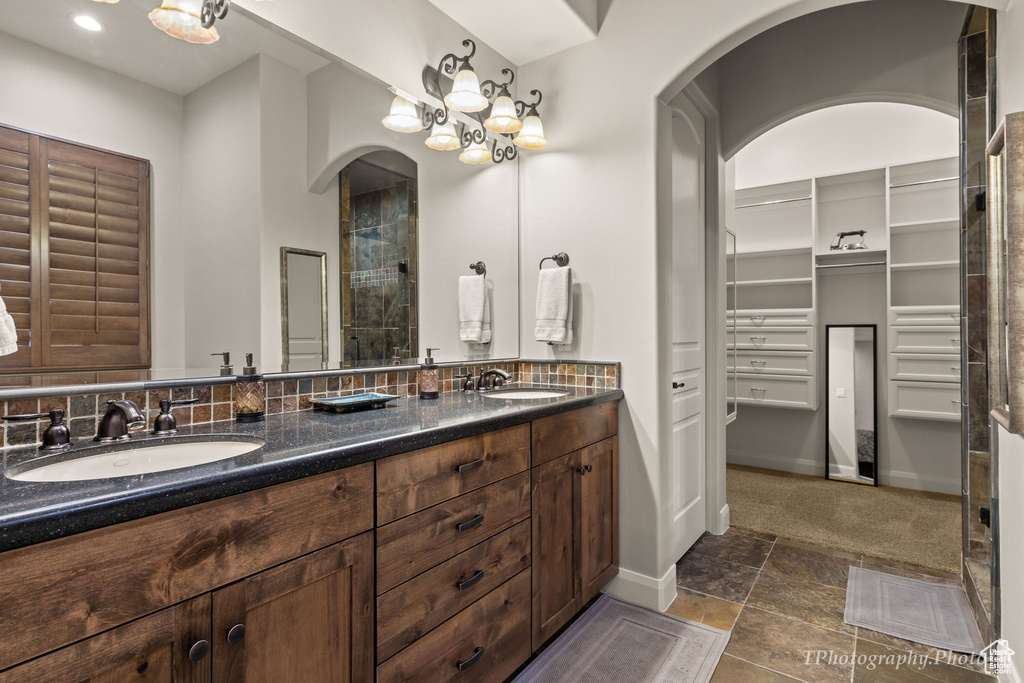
pixel 404 116
pixel 465 95
pixel 476 153
pixel 503 118
pixel 443 137
pixel 180 18
pixel 532 134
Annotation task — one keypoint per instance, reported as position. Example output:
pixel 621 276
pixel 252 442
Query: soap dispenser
pixel 225 369
pixel 429 377
pixel 250 394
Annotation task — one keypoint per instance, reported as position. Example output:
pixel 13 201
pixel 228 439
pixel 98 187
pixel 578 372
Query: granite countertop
pixel 300 444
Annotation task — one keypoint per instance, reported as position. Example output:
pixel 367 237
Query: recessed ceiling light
pixel 88 23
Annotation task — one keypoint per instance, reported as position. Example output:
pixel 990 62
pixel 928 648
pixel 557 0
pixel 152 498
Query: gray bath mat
pixel 616 642
pixel 928 613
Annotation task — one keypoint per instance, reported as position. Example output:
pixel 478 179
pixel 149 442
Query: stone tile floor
pixel 781 598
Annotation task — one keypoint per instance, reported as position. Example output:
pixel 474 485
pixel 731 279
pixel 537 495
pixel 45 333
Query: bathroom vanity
pixel 418 542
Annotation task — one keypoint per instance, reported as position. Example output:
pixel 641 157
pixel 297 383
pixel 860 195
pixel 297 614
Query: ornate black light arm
pixel 524 109
pixel 449 65
pixel 472 135
pixel 213 10
pixel 489 88
pixel 500 154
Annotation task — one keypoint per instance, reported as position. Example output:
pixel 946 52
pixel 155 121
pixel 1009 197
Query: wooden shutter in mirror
pixel 74 237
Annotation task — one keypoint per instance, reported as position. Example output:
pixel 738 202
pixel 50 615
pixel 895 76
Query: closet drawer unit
pixel 416 543
pixel 773 317
pixel 777 391
pixel 925 367
pixel 924 340
pixel 487 641
pixel 924 315
pixel 410 611
pixel 775 362
pixel 411 482
pixel 772 338
pixel 925 400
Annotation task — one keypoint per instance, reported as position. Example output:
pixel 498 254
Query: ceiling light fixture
pixel 465 95
pixel 443 137
pixel 404 116
pixel 504 117
pixel 476 153
pixel 88 23
pixel 190 20
pixel 532 134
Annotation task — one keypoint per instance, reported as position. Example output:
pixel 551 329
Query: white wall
pixel 846 138
pixel 1011 548
pixel 125 116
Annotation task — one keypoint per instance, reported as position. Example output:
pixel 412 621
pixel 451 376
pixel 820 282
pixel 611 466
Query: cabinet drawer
pixel 924 339
pixel 772 338
pixel 560 434
pixel 778 391
pixel 490 639
pixel 924 315
pixel 925 400
pixel 925 367
pixel 774 317
pixel 409 611
pixel 68 589
pixel 416 543
pixel 411 482
pixel 774 362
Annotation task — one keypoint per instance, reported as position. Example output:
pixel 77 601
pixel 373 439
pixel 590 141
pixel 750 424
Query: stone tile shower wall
pixel 216 403
pixel 379 274
pixel 977 124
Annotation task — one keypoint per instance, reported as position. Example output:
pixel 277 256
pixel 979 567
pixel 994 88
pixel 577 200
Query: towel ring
pixel 561 258
pixel 480 268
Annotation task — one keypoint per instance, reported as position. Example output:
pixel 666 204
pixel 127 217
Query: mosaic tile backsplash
pixel 216 403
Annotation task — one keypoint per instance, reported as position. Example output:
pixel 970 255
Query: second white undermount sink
pixel 526 394
pixel 132 459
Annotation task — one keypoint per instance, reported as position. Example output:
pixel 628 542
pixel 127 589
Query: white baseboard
pixel 908 480
pixel 724 520
pixel 646 591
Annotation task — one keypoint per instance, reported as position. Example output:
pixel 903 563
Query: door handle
pixel 465 526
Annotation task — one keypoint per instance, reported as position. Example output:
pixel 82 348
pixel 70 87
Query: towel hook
pixel 480 268
pixel 561 258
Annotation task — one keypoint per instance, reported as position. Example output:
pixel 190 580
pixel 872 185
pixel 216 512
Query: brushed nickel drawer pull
pixel 761 389
pixel 955 401
pixel 955 340
pixel 464 664
pixel 471 581
pixel 757 318
pixel 955 368
pixel 465 526
pixel 470 466
pixel 758 337
pixel 762 363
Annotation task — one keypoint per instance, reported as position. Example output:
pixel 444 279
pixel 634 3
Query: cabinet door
pixel 169 646
pixel 556 545
pixel 599 516
pixel 307 620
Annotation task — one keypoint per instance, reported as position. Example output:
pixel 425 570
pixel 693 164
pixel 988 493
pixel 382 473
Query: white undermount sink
pixel 526 394
pixel 126 460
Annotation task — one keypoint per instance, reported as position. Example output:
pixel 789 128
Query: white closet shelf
pixel 925 226
pixel 776 282
pixel 925 265
pixel 769 253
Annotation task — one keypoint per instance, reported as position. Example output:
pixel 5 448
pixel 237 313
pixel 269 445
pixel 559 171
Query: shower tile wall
pixel 977 119
pixel 379 273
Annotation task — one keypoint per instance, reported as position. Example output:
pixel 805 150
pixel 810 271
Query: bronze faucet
pixel 500 377
pixel 121 416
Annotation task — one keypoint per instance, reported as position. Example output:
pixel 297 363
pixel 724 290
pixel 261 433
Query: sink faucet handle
pixel 165 423
pixel 57 436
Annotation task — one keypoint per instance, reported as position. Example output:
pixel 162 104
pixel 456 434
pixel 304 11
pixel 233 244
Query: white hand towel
pixel 472 307
pixel 8 332
pixel 485 329
pixel 554 306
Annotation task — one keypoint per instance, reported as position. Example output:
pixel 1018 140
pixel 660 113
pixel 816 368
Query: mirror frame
pixel 322 256
pixel 874 391
pixel 1004 208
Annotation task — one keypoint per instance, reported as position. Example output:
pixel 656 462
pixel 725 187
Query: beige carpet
pixel 909 526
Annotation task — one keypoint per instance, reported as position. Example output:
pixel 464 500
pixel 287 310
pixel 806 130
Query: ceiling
pixel 131 46
pixel 535 28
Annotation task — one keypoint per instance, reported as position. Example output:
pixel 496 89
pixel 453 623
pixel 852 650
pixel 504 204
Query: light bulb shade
pixel 476 153
pixel 443 137
pixel 503 118
pixel 465 95
pixel 532 134
pixel 404 116
pixel 180 18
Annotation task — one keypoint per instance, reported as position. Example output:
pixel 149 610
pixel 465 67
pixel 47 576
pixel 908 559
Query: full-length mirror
pixel 851 405
pixel 148 185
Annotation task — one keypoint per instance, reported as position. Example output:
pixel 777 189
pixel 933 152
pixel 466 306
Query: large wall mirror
pixel 148 185
pixel 851 405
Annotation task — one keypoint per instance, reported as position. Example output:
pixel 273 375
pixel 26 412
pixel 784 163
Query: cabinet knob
pixel 199 650
pixel 586 468
pixel 464 664
pixel 236 633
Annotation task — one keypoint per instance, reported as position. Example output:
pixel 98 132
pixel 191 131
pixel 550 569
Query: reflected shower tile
pixel 367 210
pixel 977 65
pixel 367 250
pixel 389 204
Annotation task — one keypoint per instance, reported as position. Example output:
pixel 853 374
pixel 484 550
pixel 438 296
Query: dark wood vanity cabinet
pixel 482 548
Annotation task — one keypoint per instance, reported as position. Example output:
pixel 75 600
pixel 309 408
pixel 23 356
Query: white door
pixel 305 313
pixel 687 483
